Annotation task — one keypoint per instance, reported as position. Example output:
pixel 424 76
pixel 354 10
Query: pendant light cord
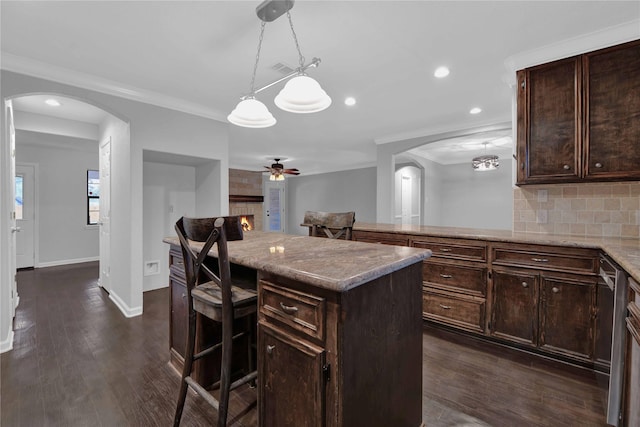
pixel 295 39
pixel 255 66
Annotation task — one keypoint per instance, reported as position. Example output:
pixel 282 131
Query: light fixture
pixel 475 110
pixel 350 101
pixel 441 72
pixel 276 177
pixel 487 162
pixel 52 102
pixel 301 94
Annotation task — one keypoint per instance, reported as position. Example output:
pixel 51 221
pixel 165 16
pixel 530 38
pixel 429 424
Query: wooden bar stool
pixel 216 298
pixel 328 222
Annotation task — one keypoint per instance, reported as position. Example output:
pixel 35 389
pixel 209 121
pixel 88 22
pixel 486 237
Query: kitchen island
pixel 339 328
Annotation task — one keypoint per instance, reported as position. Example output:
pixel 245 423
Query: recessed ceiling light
pixel 350 101
pixel 52 102
pixel 441 72
pixel 475 110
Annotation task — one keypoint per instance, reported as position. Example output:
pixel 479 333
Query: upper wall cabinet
pixel 579 118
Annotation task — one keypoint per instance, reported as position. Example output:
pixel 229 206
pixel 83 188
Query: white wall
pixel 63 234
pixel 476 199
pixel 344 191
pixel 151 128
pixel 169 193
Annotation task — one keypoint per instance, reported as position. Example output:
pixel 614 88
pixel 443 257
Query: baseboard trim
pixel 67 262
pixel 124 308
pixel 7 344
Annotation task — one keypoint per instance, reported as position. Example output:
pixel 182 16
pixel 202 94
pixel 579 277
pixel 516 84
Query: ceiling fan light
pixel 302 94
pixel 251 113
pixel 276 177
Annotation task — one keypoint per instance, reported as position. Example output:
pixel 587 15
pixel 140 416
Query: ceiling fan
pixel 278 171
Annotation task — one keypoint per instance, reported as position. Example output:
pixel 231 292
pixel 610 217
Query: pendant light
pixel 250 112
pixel 301 94
pixel 488 162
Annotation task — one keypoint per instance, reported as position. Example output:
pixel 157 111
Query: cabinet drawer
pixel 176 272
pixel 300 311
pixel 465 313
pixel 384 238
pixel 546 259
pixel 471 280
pixel 472 251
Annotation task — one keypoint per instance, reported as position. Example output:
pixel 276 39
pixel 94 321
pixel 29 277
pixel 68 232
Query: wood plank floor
pixel 77 361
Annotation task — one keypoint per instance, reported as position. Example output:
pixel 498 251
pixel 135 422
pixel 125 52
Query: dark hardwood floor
pixel 77 361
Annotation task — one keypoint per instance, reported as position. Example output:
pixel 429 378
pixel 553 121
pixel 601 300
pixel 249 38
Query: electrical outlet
pixel 541 216
pixel 543 196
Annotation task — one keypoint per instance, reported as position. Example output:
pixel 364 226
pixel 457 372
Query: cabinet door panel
pixel 552 98
pixel 612 88
pixel 291 383
pixel 567 322
pixel 179 316
pixel 515 309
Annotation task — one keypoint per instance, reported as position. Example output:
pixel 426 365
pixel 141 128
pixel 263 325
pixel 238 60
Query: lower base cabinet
pixel 283 402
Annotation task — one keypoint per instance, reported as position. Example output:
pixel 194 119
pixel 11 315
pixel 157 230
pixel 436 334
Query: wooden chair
pixel 216 298
pixel 334 225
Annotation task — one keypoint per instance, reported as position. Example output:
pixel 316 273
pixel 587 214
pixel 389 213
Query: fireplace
pixel 248 222
pixel 249 209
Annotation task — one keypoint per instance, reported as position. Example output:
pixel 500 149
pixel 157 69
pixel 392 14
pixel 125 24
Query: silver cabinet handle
pixel 289 309
pixel 446 276
pixel 566 167
pixel 270 348
pixel 539 259
pixel 446 307
pixel 598 165
pixel 184 295
pixel 555 290
pixel 445 250
pixel 16 229
pixel 525 285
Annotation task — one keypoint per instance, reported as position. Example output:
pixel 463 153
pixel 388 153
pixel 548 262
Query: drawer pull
pixel 555 290
pixel 270 348
pixel 525 285
pixel 446 276
pixel 289 309
pixel 566 167
pixel 539 260
pixel 445 250
pixel 184 295
pixel 598 165
pixel 446 307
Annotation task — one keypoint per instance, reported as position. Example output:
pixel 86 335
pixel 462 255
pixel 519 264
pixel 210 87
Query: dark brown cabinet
pixel 514 314
pixel 545 297
pixel 454 282
pixel 291 381
pixel 577 118
pixel 631 392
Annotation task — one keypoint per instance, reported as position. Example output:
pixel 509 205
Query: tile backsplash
pixel 591 209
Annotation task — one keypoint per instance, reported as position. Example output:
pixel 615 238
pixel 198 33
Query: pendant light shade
pixel 251 113
pixel 302 94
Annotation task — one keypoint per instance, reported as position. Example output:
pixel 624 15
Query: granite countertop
pixel 337 265
pixel 626 252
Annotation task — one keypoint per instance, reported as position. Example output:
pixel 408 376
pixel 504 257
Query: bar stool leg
pixel 186 370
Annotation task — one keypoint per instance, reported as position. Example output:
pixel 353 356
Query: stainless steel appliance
pixel 616 278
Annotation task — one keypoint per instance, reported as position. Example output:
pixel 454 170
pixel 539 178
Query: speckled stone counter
pixel 337 265
pixel 626 252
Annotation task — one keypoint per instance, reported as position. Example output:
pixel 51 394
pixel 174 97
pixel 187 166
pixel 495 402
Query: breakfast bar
pixel 339 328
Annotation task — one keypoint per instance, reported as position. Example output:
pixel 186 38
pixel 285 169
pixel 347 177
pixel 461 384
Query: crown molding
pixel 34 68
pixel 600 39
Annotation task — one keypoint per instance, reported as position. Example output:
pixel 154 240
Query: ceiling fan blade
pixel 290 172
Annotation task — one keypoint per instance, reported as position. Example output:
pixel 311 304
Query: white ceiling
pixel 199 56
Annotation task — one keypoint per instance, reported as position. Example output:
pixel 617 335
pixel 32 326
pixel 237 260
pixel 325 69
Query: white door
pixel 405 195
pixel 274 214
pixel 105 215
pixel 25 215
